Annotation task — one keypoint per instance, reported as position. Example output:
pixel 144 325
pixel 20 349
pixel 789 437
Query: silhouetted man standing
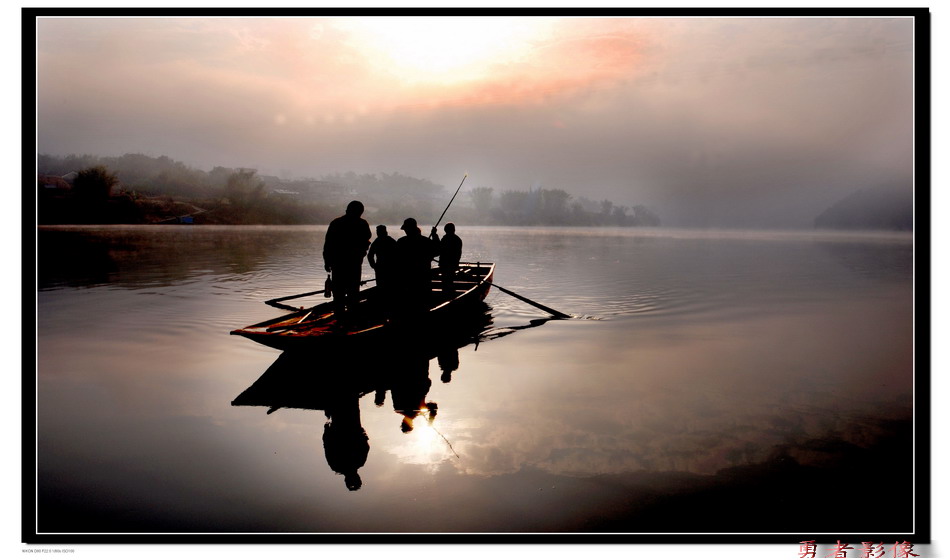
pixel 382 257
pixel 450 253
pixel 343 251
pixel 414 253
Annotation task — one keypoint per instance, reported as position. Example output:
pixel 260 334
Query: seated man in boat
pixel 414 254
pixel 346 243
pixel 450 253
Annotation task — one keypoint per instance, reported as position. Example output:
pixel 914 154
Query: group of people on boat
pixel 402 265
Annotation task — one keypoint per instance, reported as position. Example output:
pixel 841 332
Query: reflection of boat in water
pixel 337 377
pixel 311 380
pixel 372 319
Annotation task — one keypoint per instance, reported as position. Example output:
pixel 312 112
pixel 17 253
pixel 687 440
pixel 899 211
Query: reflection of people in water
pixel 343 250
pixel 399 364
pixel 379 399
pixel 345 441
pixel 448 362
pixel 410 386
pixel 450 253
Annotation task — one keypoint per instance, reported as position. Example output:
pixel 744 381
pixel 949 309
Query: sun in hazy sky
pixel 472 60
pixel 445 50
pixel 336 66
pixel 610 103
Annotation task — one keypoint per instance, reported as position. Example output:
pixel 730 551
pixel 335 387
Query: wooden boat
pixel 316 379
pixel 371 320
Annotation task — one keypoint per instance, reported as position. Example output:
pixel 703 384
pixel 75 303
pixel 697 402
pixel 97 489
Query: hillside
pixel 884 207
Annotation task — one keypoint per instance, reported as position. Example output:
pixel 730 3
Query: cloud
pixel 711 121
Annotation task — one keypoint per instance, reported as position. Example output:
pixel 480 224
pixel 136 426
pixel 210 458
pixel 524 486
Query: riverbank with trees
pixel 140 189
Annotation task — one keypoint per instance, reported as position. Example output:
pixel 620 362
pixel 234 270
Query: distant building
pixel 53 184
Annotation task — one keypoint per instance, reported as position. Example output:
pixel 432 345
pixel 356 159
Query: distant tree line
pixel 553 207
pixel 145 189
pixel 135 188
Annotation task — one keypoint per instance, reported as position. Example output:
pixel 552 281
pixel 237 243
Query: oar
pixel 276 301
pixel 451 201
pixel 280 299
pixel 554 312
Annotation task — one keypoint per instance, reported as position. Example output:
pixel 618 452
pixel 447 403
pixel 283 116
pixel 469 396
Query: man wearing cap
pixel 414 253
pixel 343 250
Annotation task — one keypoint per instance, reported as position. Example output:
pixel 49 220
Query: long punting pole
pixel 450 202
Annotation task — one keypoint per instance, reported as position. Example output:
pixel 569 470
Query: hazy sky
pixel 711 122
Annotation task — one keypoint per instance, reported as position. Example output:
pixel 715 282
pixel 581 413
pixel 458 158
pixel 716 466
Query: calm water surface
pixel 707 380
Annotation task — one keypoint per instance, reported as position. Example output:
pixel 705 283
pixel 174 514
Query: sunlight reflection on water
pixel 712 350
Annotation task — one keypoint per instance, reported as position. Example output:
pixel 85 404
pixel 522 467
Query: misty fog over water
pixel 711 122
pixel 732 370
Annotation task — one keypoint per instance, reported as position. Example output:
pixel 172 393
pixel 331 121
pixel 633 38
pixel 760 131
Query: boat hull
pixel 372 323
